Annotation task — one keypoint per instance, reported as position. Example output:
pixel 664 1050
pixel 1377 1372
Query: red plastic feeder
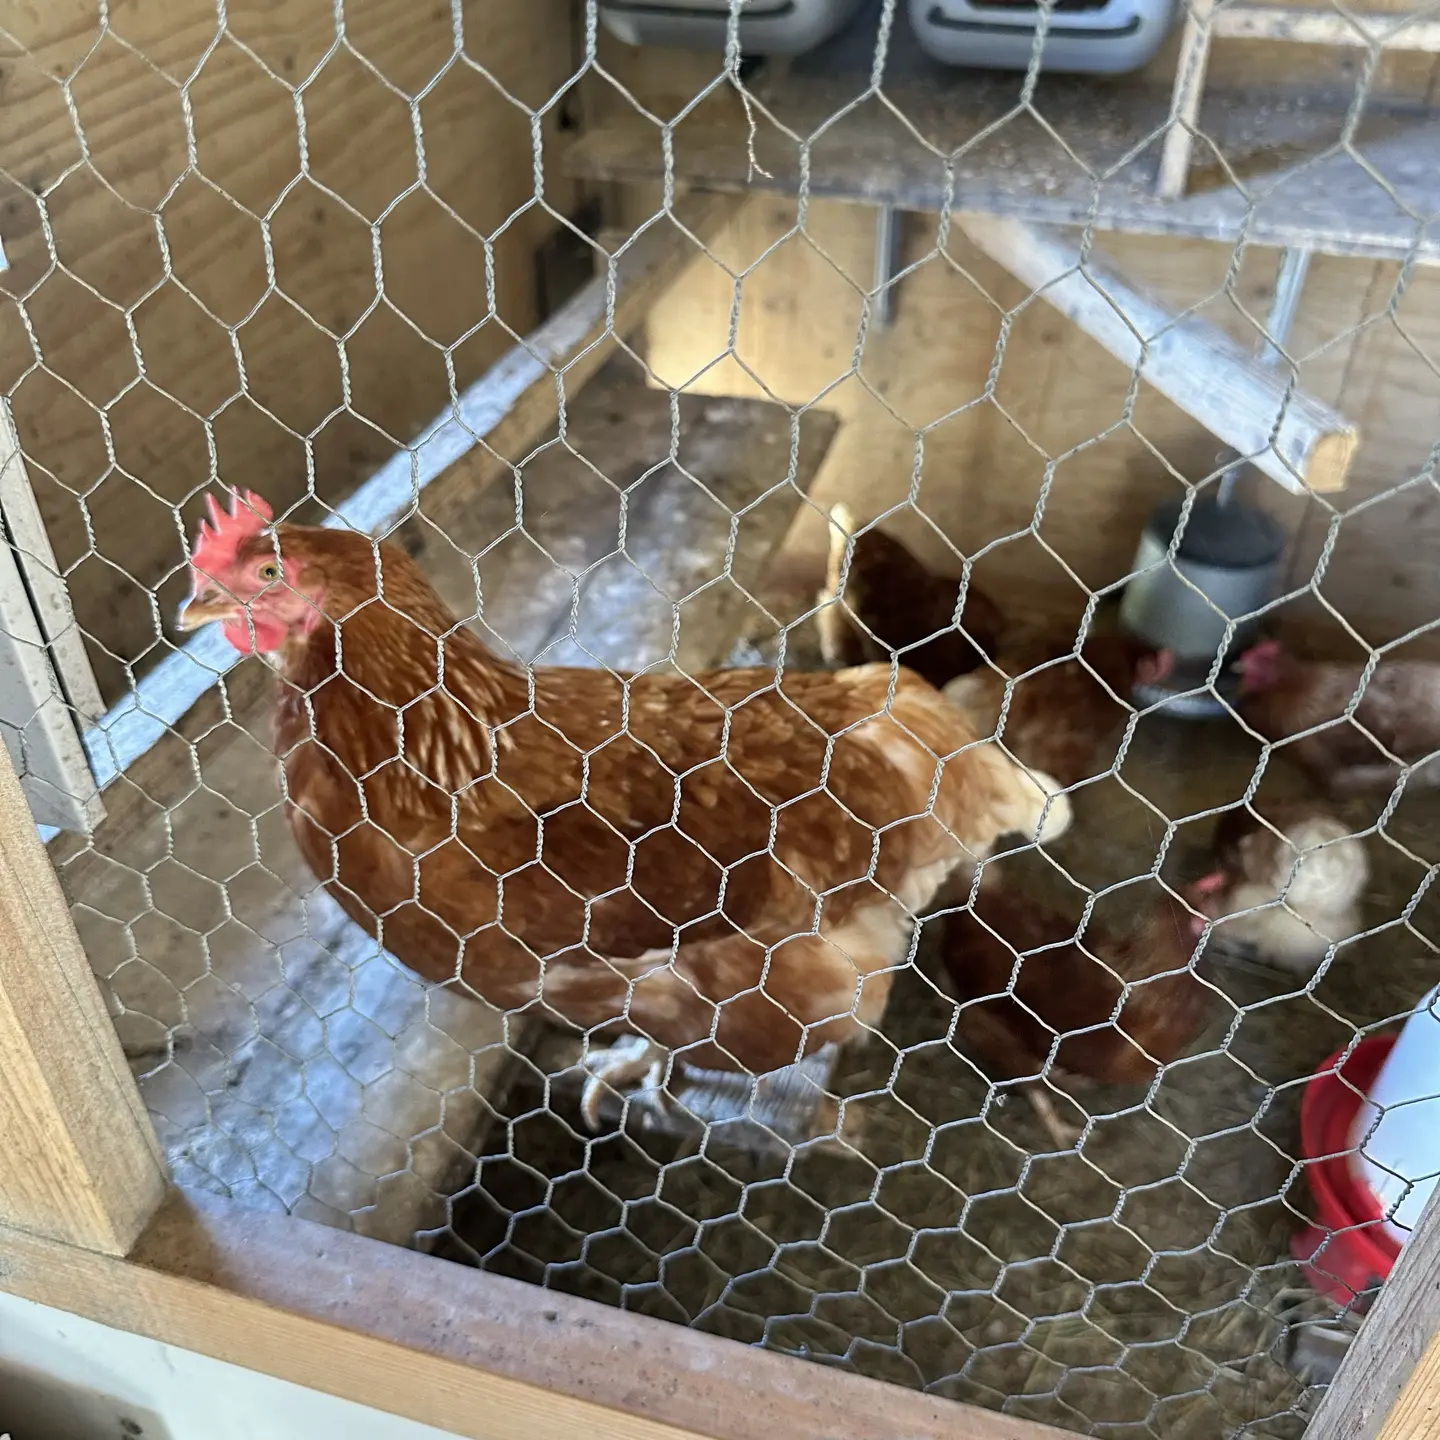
pixel 1347 1251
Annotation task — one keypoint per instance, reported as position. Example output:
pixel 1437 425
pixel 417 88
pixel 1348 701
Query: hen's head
pixel 240 579
pixel 1260 666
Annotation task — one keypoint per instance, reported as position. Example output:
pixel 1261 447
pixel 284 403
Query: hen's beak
pixel 205 605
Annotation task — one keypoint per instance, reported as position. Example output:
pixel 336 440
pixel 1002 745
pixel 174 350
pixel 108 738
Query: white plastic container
pixel 1405 1143
pixel 767 27
pixel 1102 37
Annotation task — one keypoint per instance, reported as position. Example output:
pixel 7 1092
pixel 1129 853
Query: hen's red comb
pixel 221 535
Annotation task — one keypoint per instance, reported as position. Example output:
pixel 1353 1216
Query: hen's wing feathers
pixel 669 816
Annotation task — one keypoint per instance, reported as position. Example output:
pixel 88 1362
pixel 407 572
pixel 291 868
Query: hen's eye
pixel 269 571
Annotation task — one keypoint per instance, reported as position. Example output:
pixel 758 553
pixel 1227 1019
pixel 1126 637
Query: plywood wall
pixel 282 301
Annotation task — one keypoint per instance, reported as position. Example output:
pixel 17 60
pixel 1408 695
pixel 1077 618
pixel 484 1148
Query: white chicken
pixel 1287 887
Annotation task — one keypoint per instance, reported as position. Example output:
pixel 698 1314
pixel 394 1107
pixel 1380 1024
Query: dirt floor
pixel 1133 1288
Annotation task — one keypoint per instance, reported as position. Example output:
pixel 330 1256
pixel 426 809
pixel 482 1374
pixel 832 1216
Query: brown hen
pixel 891 604
pixel 1284 697
pixel 1060 712
pixel 724 866
pixel 1024 981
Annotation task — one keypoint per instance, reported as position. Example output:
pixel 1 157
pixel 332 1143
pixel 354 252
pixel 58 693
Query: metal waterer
pixel 1230 552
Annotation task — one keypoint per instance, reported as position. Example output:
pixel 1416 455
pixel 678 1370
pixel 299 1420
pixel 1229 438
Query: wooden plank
pixel 1326 27
pixel 1236 397
pixel 48 590
pixel 81 1163
pixel 1388 1384
pixel 1416 1415
pixel 38 729
pixel 48 686
pixel 969 148
pixel 452 1347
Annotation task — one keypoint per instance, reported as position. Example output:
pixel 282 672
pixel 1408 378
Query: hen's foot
pixel 631 1062
pixel 1062 1132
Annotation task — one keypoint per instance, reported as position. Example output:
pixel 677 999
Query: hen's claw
pixel 1062 1132
pixel 630 1061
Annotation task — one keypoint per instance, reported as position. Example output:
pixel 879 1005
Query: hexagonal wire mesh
pixel 627 853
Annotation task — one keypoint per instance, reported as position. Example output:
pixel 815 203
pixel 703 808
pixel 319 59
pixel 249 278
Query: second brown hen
pixel 1060 712
pixel 1039 1004
pixel 1303 704
pixel 891 604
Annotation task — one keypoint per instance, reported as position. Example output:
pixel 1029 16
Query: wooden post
pixel 1190 71
pixel 1239 399
pixel 80 1162
pixel 1388 1385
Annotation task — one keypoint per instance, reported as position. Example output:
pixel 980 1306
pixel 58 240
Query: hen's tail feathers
pixel 831 619
pixel 1033 804
pixel 1052 820
pixel 842 527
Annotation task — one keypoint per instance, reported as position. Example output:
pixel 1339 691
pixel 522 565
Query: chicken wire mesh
pixel 892 1205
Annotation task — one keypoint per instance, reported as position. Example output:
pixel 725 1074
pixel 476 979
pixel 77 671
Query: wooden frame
pixel 1207 20
pixel 456 1348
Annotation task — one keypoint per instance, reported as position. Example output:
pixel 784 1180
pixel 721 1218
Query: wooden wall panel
pixel 1058 395
pixel 236 346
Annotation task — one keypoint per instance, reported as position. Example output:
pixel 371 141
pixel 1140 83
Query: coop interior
pixel 599 335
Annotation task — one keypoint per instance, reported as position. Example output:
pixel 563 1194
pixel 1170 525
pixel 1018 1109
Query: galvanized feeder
pixel 1229 554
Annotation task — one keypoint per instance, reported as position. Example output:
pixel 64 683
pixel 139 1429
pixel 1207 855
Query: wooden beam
pixel 1236 397
pixel 1388 1385
pixel 1392 32
pixel 81 1162
pixel 1190 68
pixel 453 1347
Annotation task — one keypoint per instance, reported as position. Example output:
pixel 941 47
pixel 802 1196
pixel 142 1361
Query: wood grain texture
pixel 1190 71
pixel 1388 1385
pixel 952 153
pixel 296 319
pixel 471 1353
pixel 81 1163
pixel 1287 435
pixel 1416 1415
pixel 585 335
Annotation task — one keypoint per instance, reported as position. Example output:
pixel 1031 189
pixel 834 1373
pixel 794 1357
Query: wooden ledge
pixel 456 1348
